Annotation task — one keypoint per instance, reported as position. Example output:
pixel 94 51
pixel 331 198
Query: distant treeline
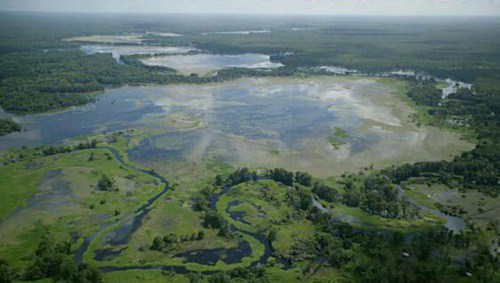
pixel 44 81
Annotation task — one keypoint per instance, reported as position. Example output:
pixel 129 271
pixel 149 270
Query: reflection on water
pixel 204 63
pixel 119 50
pixel 242 121
pixel 118 109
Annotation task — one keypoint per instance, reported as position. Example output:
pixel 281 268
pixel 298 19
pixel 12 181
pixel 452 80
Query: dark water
pixel 236 215
pixel 115 110
pixel 211 257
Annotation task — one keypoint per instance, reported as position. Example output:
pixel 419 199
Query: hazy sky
pixel 334 7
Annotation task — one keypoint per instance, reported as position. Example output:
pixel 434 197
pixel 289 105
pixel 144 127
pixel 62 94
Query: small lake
pixel 204 63
pixel 119 50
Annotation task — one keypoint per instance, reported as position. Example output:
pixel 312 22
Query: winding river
pixel 125 230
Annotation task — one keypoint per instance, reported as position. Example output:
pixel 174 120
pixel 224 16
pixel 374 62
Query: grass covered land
pixel 60 193
pixel 281 216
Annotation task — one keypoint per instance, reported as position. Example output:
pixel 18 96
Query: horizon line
pixel 247 14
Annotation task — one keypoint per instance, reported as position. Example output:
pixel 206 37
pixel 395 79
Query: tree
pixel 105 183
pixel 86 274
pixel 271 235
pixel 9 126
pixel 213 220
pixel 303 178
pixel 201 235
pixel 239 176
pixel 325 192
pixel 305 200
pixel 54 260
pixel 5 272
pixel 282 175
pixel 157 244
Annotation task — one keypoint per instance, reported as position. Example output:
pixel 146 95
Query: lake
pixel 205 63
pixel 119 50
pixel 254 122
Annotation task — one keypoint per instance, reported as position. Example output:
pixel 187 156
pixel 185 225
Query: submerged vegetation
pixel 338 137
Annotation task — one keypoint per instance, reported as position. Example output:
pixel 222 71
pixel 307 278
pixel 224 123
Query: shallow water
pixel 204 63
pixel 243 121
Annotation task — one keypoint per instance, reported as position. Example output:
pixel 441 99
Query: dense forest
pixel 361 255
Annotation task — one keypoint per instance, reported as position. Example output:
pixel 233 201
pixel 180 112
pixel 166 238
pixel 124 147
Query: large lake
pixel 254 122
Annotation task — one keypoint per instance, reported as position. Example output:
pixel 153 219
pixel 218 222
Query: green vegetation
pixel 477 169
pixel 106 183
pixel 27 86
pixel 338 138
pixel 220 224
pixel 424 93
pixel 9 126
pixel 54 260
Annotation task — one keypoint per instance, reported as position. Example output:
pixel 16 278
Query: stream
pixel 133 222
pixel 453 223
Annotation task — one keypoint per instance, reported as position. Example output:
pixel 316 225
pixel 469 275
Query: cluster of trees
pixel 171 241
pixel 326 192
pixel 213 220
pixel 106 183
pixel 202 202
pixel 281 175
pixel 376 195
pixel 378 257
pixel 424 92
pixel 54 260
pixel 8 126
pixel 288 178
pixel 6 273
pixel 379 196
pixel 52 150
pixel 239 176
pixel 478 168
pixel 300 198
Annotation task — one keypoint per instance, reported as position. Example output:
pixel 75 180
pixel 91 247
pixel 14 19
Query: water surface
pixel 204 63
pixel 119 50
pixel 283 122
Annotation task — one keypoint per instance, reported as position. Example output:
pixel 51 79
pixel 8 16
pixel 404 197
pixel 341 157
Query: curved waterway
pixel 452 223
pixel 134 222
pixel 125 231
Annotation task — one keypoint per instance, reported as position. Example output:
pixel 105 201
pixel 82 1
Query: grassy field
pixel 60 195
